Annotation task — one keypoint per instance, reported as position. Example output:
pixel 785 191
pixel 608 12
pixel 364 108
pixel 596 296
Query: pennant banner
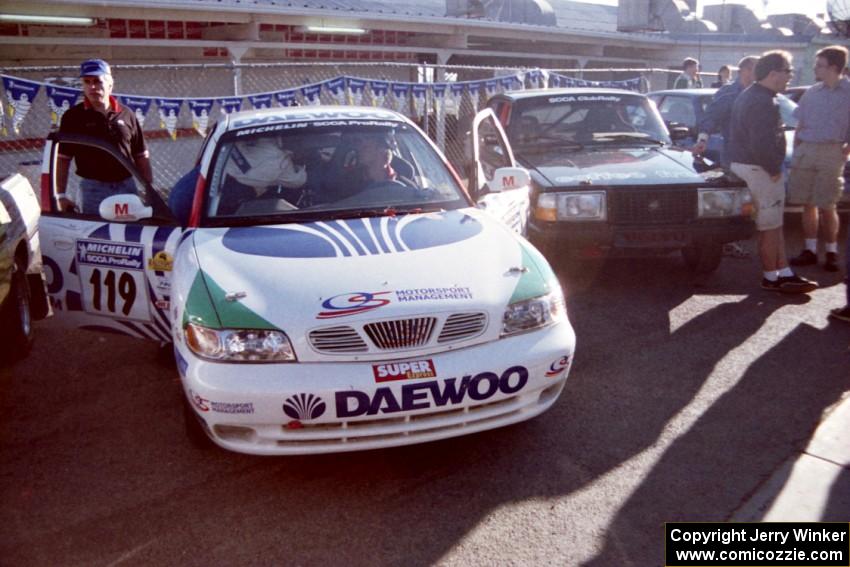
pixel 400 93
pixel 312 94
pixel 454 95
pixel 169 110
pixel 230 105
pixel 511 82
pixel 60 100
pixel 259 101
pixel 19 96
pixel 420 91
pixel 286 98
pixel 356 88
pixel 379 92
pixel 411 98
pixel 474 88
pixel 201 109
pixel 140 105
pixel 337 89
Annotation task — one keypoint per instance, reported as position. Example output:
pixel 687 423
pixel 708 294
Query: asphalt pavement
pixel 692 398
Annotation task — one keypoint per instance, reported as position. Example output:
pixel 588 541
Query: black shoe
pixel 842 314
pixel 831 264
pixel 806 258
pixel 789 284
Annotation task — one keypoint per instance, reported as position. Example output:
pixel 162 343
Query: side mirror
pixel 124 208
pixel 507 178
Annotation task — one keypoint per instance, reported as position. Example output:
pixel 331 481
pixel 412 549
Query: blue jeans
pixel 92 192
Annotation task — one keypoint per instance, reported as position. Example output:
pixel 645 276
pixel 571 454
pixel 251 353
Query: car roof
pixel 247 118
pixel 690 92
pixel 535 93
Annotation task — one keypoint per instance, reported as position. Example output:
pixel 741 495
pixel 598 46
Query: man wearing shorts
pixel 756 151
pixel 821 146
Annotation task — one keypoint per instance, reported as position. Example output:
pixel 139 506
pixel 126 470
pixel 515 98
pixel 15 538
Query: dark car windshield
pixel 317 170
pixel 577 120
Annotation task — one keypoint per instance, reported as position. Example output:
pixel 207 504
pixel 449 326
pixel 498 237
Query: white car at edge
pixel 313 309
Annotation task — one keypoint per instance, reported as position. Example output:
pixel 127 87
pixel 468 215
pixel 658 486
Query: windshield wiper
pixel 626 137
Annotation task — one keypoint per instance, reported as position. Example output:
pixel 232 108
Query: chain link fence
pixel 174 151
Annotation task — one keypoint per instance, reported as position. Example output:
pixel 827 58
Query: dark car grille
pixel 636 206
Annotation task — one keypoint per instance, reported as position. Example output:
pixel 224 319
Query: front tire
pixel 16 318
pixel 703 257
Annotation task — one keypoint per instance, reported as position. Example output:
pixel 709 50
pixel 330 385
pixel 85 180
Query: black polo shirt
pixel 117 126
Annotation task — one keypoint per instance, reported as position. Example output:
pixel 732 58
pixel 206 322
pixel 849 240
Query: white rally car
pixel 334 287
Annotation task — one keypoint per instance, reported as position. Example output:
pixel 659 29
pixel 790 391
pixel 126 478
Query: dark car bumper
pixel 595 238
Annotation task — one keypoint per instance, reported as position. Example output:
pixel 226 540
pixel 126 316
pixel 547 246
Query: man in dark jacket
pixel 756 151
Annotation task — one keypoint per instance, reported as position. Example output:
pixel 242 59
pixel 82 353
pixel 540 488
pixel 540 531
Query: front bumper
pixel 622 239
pixel 304 408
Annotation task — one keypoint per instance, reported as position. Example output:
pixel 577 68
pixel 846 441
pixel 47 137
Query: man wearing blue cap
pixel 100 116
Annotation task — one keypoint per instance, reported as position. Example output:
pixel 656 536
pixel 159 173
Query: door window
pixel 678 109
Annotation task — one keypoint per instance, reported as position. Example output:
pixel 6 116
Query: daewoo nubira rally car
pixel 335 286
pixel 606 179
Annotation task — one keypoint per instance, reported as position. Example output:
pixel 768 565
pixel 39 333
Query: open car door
pixel 496 183
pixel 111 271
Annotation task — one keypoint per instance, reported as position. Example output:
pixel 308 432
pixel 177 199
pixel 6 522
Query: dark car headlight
pixel 718 203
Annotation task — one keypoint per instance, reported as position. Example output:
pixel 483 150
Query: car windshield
pixel 581 119
pixel 311 170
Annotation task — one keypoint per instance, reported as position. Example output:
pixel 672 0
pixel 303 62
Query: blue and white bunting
pixel 400 94
pixel 201 109
pixel 511 83
pixel 229 105
pixel 379 90
pixel 262 100
pixel 312 94
pixel 140 105
pixel 336 87
pixel 60 99
pixel 20 95
pixel 286 98
pixel 491 86
pixel 454 95
pixel 420 92
pixel 474 88
pixel 169 110
pixel 356 88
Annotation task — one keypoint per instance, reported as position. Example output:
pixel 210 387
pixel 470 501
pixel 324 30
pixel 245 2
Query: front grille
pixel 638 206
pixel 337 339
pixel 460 326
pixel 401 333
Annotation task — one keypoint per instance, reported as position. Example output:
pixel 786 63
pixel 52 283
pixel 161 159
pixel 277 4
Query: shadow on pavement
pixel 768 416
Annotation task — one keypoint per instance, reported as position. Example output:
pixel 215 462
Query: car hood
pixel 302 277
pixel 614 166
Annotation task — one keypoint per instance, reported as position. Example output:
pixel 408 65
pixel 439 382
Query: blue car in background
pixel 684 108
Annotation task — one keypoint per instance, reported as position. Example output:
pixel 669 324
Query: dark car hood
pixel 616 166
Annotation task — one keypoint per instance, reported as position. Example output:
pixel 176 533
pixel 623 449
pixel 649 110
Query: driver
pixel 374 160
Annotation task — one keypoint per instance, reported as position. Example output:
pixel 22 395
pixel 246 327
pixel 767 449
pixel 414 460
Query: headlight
pixel 715 203
pixel 534 313
pixel 584 206
pixel 239 345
